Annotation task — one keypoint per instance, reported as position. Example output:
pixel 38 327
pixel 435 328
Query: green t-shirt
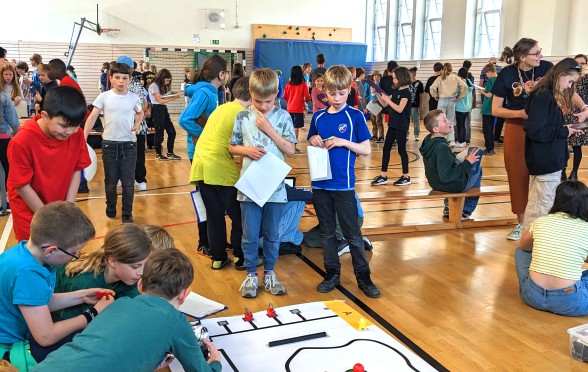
pixel 132 334
pixel 66 283
pixel 487 104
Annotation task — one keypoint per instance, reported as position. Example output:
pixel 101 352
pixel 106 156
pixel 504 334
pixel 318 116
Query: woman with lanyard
pixel 514 83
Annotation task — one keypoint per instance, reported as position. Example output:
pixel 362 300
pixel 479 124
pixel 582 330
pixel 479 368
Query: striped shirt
pixel 560 245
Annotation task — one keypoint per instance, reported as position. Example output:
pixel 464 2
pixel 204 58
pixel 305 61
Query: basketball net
pixel 110 32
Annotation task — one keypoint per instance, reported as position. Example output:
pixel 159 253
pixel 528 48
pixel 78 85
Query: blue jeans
pixel 447 105
pixel 254 217
pixel 475 180
pixel 119 160
pixel 570 301
pixel 342 204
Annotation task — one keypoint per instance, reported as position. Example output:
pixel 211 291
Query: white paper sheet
pixel 262 178
pixel 198 205
pixel 319 163
pixel 374 108
pixel 199 307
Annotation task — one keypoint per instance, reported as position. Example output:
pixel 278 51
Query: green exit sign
pixel 215 42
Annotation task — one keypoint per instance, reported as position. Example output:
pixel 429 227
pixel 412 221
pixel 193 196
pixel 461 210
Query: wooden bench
pixel 455 201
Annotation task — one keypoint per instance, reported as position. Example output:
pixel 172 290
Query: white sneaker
pixel 119 184
pixel 142 186
pixel 459 145
pixel 249 287
pixel 516 233
pixel 272 284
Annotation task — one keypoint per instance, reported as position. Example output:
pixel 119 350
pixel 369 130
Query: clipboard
pixel 198 205
pixel 375 86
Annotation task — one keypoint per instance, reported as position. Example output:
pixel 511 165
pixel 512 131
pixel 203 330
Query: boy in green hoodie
pixel 443 169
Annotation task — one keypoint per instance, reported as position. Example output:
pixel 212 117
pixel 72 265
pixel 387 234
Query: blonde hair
pixel 160 237
pixel 127 243
pixel 430 121
pixel 447 70
pixel 338 77
pixel 15 85
pixel 43 67
pixel 263 82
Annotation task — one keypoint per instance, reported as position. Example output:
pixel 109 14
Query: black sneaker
pixel 83 189
pixel 368 287
pixel 330 282
pixel 172 156
pixel 380 140
pixel 380 181
pixel 111 212
pixel 402 181
pixel 342 247
pixel 203 250
pixel 289 248
pixel 127 217
pixel 465 215
pixel 445 212
pixel 367 244
pixel 161 157
pixel 240 263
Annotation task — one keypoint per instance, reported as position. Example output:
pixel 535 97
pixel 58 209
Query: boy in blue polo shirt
pixel 343 131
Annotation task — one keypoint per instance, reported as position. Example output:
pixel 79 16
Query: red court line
pixel 168 225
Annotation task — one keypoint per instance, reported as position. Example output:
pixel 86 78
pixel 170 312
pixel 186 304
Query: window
pixel 432 34
pixel 487 28
pixel 380 30
pixel 404 30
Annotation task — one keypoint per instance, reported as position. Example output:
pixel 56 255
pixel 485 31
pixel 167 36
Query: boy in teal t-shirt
pixel 487 118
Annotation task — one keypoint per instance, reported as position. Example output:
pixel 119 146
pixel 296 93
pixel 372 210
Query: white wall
pixel 173 22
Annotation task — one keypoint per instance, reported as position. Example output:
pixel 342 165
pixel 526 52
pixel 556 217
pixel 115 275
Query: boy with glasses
pixel 27 280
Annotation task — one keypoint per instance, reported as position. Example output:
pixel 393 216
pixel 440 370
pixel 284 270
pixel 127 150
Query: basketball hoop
pixel 110 32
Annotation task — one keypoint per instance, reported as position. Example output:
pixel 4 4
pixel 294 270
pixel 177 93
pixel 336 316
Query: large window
pixel 432 34
pixel 487 28
pixel 380 40
pixel 404 30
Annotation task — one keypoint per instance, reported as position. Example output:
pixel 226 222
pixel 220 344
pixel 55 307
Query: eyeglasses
pixel 577 68
pixel 536 54
pixel 73 256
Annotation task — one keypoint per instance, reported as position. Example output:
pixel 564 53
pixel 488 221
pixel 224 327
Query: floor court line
pixel 6 234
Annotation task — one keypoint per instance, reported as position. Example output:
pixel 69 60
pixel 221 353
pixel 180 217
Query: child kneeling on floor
pixel 137 334
pixel 442 168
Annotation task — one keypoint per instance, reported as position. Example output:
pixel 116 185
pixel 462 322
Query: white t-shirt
pixel 119 115
pixel 153 88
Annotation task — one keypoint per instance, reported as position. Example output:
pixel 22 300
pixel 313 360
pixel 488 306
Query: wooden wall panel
pixel 261 31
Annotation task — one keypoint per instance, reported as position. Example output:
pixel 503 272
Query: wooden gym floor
pixel 450 296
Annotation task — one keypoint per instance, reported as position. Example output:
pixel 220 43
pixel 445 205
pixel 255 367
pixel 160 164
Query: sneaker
pixel 516 233
pixel 217 265
pixel 119 183
pixel 343 248
pixel 204 251
pixel 373 138
pixel 272 284
pixel 402 181
pixel 445 212
pixel 83 189
pixel 297 150
pixel 111 212
pixel 394 143
pixel 4 212
pixel 240 263
pixel 368 287
pixel 416 138
pixel 249 287
pixel 380 140
pixel 330 282
pixel 127 217
pixel 379 180
pixel 172 156
pixel 465 215
pixel 367 244
pixel 142 186
pixel 500 140
pixel 451 143
pixel 489 152
pixel 161 157
pixel 460 145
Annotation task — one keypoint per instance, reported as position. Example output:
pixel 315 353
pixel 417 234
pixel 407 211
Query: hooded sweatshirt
pixel 442 170
pixel 45 163
pixel 204 99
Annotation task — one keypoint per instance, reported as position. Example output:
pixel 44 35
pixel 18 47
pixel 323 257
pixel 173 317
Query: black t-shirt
pixel 400 120
pixel 416 89
pixel 508 84
pixel 147 78
pixel 432 100
pixel 136 75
